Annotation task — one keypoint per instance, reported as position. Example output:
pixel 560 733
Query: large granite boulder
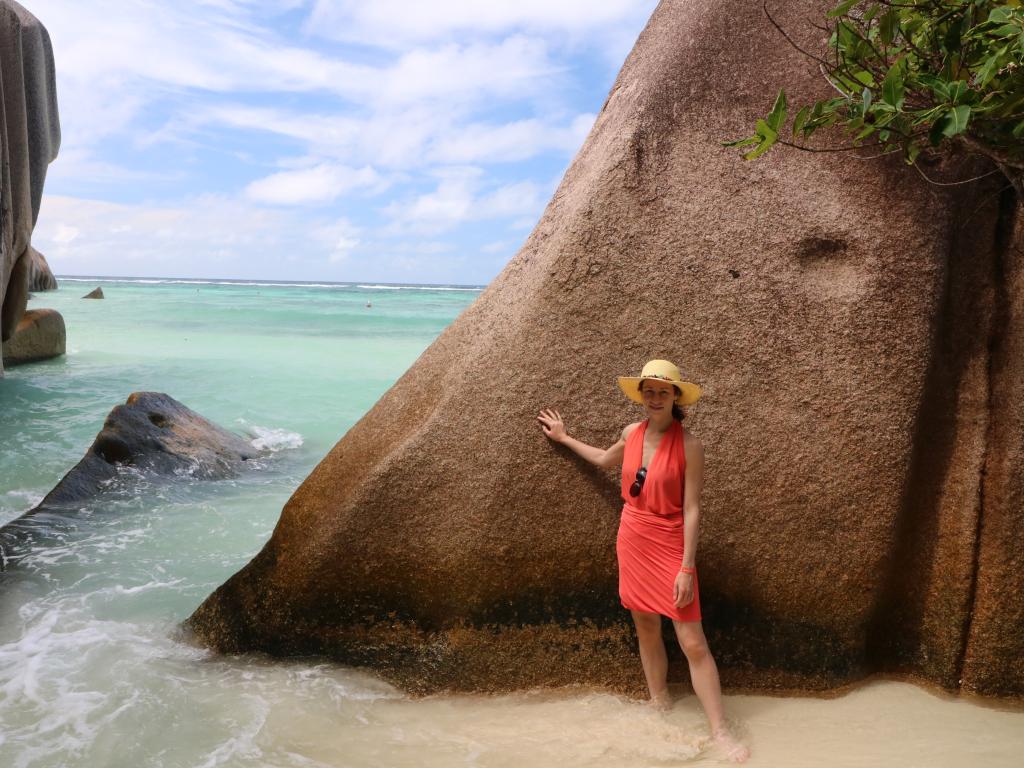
pixel 30 137
pixel 40 278
pixel 40 335
pixel 858 334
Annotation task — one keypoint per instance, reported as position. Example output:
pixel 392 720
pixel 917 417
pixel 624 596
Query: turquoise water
pixel 91 672
pixel 304 362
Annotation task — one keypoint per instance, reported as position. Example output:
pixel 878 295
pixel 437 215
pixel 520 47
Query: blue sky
pixel 342 140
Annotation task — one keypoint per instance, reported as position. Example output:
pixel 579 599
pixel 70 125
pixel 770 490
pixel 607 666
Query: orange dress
pixel 650 541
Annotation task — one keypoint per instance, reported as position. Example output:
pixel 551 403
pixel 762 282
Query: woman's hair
pixel 677 410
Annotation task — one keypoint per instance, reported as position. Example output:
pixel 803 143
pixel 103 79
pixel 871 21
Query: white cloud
pixel 323 183
pixel 215 237
pixel 498 246
pixel 64 235
pixel 517 199
pixel 117 239
pixel 510 142
pixel 400 22
pixel 459 198
pixel 405 139
pixel 447 206
pixel 513 67
pixel 162 102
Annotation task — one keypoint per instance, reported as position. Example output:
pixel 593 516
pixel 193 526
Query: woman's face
pixel 658 396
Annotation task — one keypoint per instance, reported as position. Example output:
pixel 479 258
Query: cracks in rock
pixel 1009 207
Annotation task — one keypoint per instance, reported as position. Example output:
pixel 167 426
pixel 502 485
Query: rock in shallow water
pixel 154 434
pixel 95 293
pixel 855 332
pixel 40 335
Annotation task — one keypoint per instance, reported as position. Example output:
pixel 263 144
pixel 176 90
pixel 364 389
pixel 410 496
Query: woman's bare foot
pixel 661 701
pixel 734 751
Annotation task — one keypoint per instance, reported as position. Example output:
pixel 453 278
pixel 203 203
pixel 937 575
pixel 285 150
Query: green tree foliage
pixel 915 74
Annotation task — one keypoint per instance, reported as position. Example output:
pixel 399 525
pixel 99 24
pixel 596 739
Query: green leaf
pixel 1018 131
pixel 957 90
pixel 868 130
pixel 939 87
pixel 950 124
pixel 800 120
pixel 990 67
pixel 778 114
pixel 865 97
pixel 938 130
pixel 892 87
pixel 911 27
pixel 742 142
pixel 1007 30
pixel 865 78
pixel 765 131
pixel 888 25
pixel 768 137
pixel 842 9
pixel 1000 15
pixel 959 118
pixel 911 151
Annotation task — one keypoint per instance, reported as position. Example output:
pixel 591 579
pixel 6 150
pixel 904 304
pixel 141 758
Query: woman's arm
pixel 553 426
pixel 694 484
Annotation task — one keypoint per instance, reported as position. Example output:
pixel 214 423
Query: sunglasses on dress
pixel 638 484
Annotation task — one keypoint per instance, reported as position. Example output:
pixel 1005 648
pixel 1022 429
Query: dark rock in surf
pixel 95 293
pixel 151 433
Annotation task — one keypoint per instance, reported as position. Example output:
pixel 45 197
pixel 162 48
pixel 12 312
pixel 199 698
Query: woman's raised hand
pixel 551 422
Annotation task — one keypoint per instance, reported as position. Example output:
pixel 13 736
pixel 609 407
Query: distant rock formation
pixel 40 335
pixel 30 136
pixel 95 293
pixel 859 336
pixel 40 278
pixel 153 434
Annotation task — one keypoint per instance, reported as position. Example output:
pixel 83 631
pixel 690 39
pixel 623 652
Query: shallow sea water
pixel 92 672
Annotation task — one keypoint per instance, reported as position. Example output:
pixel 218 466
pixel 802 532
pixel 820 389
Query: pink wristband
pixel 684 569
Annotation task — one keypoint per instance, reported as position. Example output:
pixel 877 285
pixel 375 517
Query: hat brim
pixel 689 393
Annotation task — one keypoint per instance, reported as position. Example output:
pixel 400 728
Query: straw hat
pixel 661 370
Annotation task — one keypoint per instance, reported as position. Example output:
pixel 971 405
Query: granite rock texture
pixel 40 335
pixel 30 138
pixel 40 277
pixel 846 320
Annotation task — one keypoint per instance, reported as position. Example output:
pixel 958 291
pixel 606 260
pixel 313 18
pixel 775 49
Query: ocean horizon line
pixel 258 282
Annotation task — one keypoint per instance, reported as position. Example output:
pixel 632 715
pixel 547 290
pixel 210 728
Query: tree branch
pixel 789 40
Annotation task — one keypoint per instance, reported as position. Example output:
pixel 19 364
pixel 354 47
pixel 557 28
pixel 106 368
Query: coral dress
pixel 650 541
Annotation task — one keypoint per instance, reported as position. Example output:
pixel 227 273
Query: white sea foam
pixel 273 440
pixel 31 498
pixel 419 288
pixel 118 589
pixel 266 284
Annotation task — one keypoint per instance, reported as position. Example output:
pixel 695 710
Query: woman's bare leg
pixel 653 656
pixel 704 676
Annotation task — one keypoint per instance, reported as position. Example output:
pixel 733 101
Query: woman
pixel 662 477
